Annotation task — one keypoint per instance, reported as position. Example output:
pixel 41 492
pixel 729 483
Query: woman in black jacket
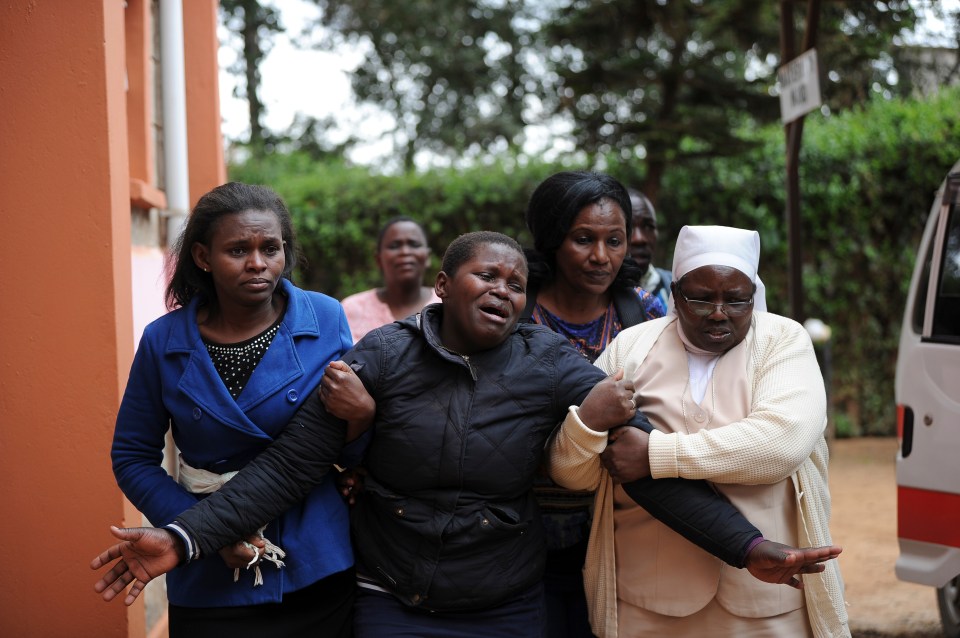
pixel 447 532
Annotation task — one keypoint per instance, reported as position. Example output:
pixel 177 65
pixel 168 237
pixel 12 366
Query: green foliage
pixel 338 210
pixel 448 71
pixel 674 81
pixel 868 177
pixel 867 181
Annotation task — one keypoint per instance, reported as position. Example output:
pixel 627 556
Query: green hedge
pixel 338 211
pixel 867 181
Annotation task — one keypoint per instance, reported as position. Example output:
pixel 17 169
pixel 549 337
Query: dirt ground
pixel 863 486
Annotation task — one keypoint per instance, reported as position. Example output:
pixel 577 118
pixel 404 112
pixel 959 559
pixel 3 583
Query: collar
pixel 651 279
pixel 300 318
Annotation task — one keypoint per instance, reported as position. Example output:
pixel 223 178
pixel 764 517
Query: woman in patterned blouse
pixel 583 286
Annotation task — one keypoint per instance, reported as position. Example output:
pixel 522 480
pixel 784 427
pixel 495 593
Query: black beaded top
pixel 235 362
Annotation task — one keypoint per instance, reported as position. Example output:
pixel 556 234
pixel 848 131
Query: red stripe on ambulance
pixel 928 516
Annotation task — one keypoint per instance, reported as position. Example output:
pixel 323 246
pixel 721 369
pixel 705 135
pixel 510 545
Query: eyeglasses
pixel 707 308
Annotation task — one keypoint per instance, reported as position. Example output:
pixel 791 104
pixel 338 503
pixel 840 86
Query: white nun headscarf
pixel 719 246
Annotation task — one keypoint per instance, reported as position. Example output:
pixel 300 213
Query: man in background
pixel 643 244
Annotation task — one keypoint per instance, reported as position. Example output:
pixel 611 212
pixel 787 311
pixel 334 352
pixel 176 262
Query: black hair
pixel 396 220
pixel 465 246
pixel 555 204
pixel 645 203
pixel 188 280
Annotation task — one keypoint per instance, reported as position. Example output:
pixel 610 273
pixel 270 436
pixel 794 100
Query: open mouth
pixel 495 311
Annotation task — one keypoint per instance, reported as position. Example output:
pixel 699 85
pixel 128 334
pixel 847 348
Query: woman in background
pixel 402 257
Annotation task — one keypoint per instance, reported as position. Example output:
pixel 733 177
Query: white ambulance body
pixel 928 411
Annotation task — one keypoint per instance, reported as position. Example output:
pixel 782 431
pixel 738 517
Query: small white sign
pixel 799 82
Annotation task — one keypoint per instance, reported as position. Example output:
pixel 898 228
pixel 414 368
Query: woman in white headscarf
pixel 738 399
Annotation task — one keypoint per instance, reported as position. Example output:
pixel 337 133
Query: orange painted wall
pixel 66 329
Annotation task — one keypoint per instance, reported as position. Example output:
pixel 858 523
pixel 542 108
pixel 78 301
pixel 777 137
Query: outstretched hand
pixel 774 562
pixel 609 404
pixel 144 553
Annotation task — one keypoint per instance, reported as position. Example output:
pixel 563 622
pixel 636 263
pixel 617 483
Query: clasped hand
pixel 609 404
pixel 627 455
pixel 344 396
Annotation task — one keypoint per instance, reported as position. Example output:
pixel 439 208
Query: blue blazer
pixel 173 383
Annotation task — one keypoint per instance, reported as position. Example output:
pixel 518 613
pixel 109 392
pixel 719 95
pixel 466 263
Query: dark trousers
pixel 567 615
pixel 323 609
pixel 381 615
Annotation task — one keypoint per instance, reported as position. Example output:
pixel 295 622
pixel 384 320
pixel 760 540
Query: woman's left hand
pixel 238 555
pixel 344 397
pixel 626 457
pixel 774 562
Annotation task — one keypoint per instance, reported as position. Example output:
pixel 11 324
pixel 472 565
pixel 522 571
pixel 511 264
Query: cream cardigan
pixel 782 437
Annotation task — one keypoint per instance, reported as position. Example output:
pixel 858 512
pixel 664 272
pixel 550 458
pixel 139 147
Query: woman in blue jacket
pixel 226 370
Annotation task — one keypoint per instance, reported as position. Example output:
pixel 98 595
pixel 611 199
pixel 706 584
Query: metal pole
pixel 176 176
pixel 794 135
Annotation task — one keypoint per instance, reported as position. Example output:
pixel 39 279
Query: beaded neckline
pixel 235 362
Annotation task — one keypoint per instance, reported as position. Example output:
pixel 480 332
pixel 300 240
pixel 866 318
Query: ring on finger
pixel 633 404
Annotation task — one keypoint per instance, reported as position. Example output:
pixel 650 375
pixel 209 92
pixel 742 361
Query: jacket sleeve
pixel 786 421
pixel 690 508
pixel 139 438
pixel 279 477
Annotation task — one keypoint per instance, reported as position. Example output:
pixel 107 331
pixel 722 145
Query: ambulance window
pixel 946 312
pixel 920 302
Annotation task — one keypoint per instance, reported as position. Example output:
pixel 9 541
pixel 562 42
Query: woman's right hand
pixel 142 554
pixel 609 404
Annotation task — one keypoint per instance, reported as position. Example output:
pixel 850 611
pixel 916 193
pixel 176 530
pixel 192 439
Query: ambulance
pixel 928 411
